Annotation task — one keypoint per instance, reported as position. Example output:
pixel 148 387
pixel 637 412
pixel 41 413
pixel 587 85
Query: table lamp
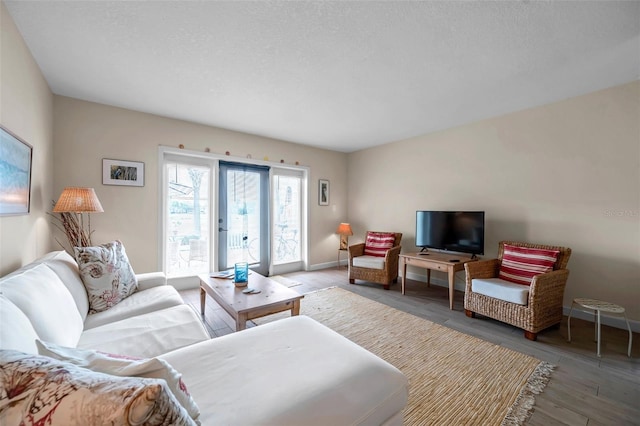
pixel 344 230
pixel 78 201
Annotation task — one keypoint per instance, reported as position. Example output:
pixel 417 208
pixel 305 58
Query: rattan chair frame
pixel 385 276
pixel 546 293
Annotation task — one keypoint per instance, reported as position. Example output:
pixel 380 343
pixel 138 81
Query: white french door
pixel 210 219
pixel 243 216
pixel 287 229
pixel 187 213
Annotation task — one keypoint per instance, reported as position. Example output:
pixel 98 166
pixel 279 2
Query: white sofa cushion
pixel 140 302
pixel 147 335
pixel 151 279
pixel 16 331
pixel 371 262
pixel 66 268
pixel 289 372
pixel 501 289
pixel 46 301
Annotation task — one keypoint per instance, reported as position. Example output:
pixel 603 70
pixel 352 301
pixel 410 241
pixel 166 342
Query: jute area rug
pixel 454 378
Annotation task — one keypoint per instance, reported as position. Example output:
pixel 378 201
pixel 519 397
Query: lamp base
pixel 344 242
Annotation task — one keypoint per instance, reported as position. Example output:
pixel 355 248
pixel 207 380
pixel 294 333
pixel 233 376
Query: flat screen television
pixel 458 231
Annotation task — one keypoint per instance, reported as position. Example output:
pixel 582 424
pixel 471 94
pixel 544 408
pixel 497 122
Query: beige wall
pixel 86 132
pixel 567 173
pixel 26 109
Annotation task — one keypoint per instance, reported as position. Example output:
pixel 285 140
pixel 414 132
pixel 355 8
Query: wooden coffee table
pixel 273 297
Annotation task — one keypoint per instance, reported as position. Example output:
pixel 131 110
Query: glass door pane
pixel 287 219
pixel 243 216
pixel 188 216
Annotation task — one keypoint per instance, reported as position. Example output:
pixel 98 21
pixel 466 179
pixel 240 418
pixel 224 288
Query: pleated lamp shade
pixel 79 200
pixel 344 229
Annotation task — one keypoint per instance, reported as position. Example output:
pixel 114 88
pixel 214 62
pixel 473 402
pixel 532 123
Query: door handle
pixel 220 229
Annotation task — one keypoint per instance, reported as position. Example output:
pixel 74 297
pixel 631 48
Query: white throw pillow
pixel 106 274
pixel 119 365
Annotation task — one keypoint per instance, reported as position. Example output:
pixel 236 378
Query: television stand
pixel 436 261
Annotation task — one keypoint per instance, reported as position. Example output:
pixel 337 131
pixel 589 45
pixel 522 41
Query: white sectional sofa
pixel 289 372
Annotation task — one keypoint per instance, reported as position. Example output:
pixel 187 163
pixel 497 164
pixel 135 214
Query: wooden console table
pixel 437 261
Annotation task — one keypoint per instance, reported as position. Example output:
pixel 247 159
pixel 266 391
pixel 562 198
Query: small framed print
pixel 323 192
pixel 121 172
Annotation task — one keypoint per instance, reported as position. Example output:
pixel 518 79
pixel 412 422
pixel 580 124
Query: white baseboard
pixel 440 282
pixel 325 265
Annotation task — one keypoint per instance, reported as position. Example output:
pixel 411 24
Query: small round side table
pixel 599 306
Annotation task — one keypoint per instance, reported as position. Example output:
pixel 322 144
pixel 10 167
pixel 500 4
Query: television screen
pixel 461 231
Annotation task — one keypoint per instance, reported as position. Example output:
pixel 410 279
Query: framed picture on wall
pixel 121 172
pixel 323 192
pixel 15 174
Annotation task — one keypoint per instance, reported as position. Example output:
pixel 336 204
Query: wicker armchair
pixel 384 276
pixel 544 304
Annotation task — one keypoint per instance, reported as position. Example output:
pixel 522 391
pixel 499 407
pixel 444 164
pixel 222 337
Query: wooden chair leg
pixel 469 313
pixel 531 336
pixel 352 281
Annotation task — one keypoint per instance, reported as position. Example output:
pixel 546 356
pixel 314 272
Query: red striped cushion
pixel 377 243
pixel 521 264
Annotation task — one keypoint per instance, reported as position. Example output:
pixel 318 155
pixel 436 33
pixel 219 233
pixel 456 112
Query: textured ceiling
pixel 339 75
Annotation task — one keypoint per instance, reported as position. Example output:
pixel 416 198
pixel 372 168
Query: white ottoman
pixel 290 372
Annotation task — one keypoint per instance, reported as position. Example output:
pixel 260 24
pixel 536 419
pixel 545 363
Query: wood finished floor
pixel 584 389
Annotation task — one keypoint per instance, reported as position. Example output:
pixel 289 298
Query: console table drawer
pixel 424 263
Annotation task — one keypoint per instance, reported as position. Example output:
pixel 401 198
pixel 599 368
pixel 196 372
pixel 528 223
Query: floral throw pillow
pixel 106 274
pixel 119 365
pixel 38 390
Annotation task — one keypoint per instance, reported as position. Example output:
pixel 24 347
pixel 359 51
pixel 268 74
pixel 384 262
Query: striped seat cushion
pixel 521 264
pixel 377 243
